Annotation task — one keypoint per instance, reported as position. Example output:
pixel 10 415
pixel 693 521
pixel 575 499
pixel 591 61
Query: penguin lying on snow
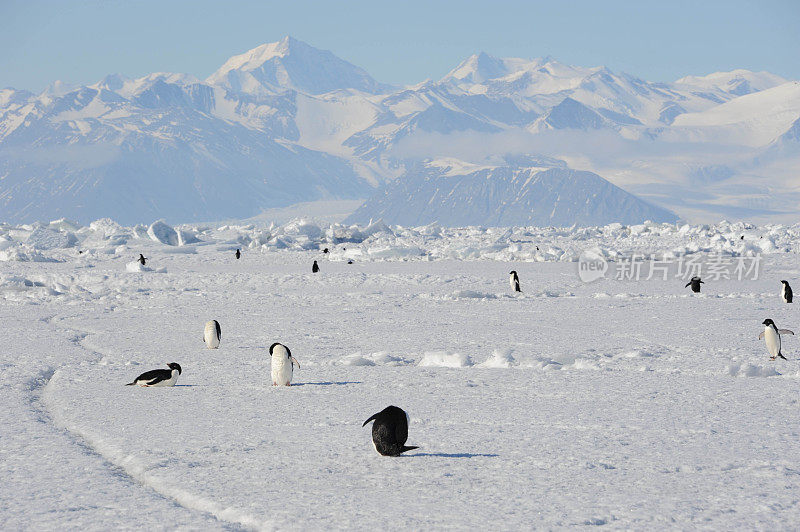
pixel 786 292
pixel 695 282
pixel 390 431
pixel 282 364
pixel 514 280
pixel 158 377
pixel 212 334
pixel 142 259
pixel 772 337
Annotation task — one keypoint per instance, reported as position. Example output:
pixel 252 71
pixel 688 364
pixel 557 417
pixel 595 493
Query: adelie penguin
pixel 282 364
pixel 695 282
pixel 142 259
pixel 158 377
pixel 786 292
pixel 314 267
pixel 772 337
pixel 212 334
pixel 238 254
pixel 514 281
pixel 390 431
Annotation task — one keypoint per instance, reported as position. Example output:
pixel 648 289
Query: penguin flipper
pixel 785 331
pixel 408 448
pixel 294 361
pixel 687 284
pixel 780 355
pixel 761 336
pixel 370 419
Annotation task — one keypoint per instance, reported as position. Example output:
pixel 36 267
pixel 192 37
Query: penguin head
pixel 768 322
pixel 174 365
pixel 513 272
pixel 784 282
pixel 278 344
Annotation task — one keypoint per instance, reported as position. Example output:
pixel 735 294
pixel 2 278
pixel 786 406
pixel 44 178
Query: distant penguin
pixel 314 267
pixel 786 292
pixel 390 431
pixel 238 254
pixel 326 251
pixel 158 377
pixel 695 282
pixel 741 237
pixel 772 337
pixel 350 261
pixel 282 364
pixel 514 280
pixel 142 259
pixel 212 334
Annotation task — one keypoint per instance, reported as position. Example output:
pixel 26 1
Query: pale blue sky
pixel 397 42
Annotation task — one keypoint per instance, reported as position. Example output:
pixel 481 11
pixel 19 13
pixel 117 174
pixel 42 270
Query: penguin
pixel 786 292
pixel 158 377
pixel 772 337
pixel 390 431
pixel 325 251
pixel 695 282
pixel 282 364
pixel 741 237
pixel 238 254
pixel 142 259
pixel 314 267
pixel 514 280
pixel 212 334
pixel 350 261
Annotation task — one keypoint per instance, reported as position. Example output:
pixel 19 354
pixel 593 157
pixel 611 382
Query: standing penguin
pixel 238 253
pixel 390 431
pixel 142 259
pixel 772 337
pixel 786 292
pixel 212 334
pixel 158 377
pixel 282 364
pixel 514 280
pixel 695 282
pixel 314 267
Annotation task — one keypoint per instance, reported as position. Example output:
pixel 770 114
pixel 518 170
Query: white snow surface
pixel 633 404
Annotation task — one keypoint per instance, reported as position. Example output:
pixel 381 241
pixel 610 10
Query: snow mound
pixel 498 359
pixel 136 266
pixel 444 359
pixel 356 359
pixel 18 255
pixel 751 370
pixel 161 232
pixel 42 238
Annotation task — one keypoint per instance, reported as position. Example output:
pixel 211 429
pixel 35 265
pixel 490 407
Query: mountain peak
pixel 478 68
pixel 291 64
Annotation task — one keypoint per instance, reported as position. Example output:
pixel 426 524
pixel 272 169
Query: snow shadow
pixel 455 455
pixel 340 383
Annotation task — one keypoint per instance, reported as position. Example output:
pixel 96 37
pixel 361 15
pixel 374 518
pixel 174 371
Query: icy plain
pixel 630 404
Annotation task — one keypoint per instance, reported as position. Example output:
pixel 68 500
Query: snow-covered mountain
pixel 286 123
pixel 521 191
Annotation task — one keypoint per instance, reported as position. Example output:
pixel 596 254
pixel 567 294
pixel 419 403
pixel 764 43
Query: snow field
pixel 630 404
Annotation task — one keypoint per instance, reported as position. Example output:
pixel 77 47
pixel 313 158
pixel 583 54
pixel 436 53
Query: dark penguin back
pixel 390 431
pixel 314 267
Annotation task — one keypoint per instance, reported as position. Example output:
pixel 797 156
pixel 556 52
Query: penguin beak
pixel 295 361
